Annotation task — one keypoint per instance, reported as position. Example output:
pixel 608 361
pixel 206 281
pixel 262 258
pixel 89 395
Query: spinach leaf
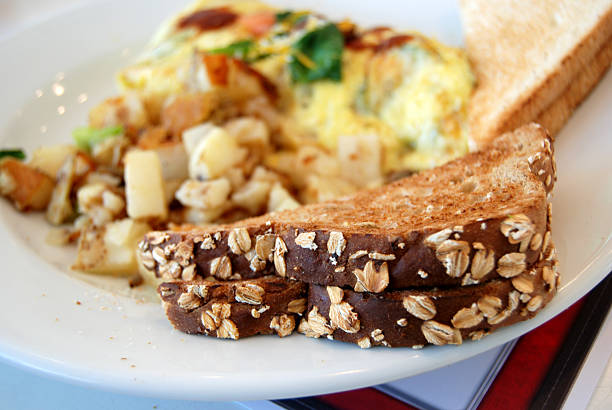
pixel 318 55
pixel 283 15
pixel 86 137
pixel 239 49
pixel 15 153
pixel 244 50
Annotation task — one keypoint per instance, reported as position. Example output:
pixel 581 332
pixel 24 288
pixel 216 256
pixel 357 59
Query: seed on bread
pixel 440 334
pixel 250 293
pixel 206 242
pixel 264 247
pixel 221 267
pixel 146 258
pixel 483 262
pixel 455 256
pixel 536 242
pixel 342 316
pixel 283 325
pixel 239 241
pixel 183 253
pixel 315 325
pixel 335 294
pixel 297 306
pixel 489 305
pixel 467 317
pixel 364 342
pixel 189 301
pixel 550 278
pixel 434 240
pixel 336 243
pixel 523 283
pixel 227 330
pixel 279 257
pixel 377 335
pixel 371 280
pixel 189 272
pixel 157 238
pixel 381 256
pixel 535 303
pixel 306 240
pixel 511 264
pixel 358 254
pixel 420 306
pixel 518 229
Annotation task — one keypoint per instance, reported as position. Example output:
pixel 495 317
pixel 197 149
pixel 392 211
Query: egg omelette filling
pixel 335 80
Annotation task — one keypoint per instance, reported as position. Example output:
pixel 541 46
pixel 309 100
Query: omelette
pixel 333 80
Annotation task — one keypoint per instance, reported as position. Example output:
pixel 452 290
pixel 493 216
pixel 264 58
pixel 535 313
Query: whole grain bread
pixel 527 55
pixel 233 310
pixel 475 219
pixel 419 317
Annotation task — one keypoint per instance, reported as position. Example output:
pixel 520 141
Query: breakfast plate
pixel 95 331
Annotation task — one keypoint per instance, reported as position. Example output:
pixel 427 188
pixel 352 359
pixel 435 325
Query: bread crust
pixel 559 112
pixel 416 318
pixel 514 85
pixel 234 310
pixel 407 253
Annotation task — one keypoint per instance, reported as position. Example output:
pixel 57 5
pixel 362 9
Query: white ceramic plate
pixel 56 71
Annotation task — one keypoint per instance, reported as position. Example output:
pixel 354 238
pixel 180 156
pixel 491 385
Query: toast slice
pixel 529 55
pixel 480 217
pixel 234 310
pixel 419 317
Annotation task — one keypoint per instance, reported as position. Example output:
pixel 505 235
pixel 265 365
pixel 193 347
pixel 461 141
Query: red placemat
pixel 513 388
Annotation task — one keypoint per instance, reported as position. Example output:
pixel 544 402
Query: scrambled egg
pixel 409 91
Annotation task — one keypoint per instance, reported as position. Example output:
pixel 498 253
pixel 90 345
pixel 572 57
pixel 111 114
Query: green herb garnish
pixel 283 15
pixel 318 55
pixel 239 49
pixel 244 50
pixel 15 153
pixel 87 137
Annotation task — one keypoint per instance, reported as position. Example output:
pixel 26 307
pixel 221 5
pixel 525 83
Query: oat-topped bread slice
pixel 471 220
pixel 233 310
pixel 418 317
pixel 533 60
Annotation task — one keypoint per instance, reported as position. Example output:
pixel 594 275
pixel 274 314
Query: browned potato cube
pixel 28 188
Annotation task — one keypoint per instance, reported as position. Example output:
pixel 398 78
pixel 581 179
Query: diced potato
pixel 309 160
pixel 319 189
pixel 60 208
pixel 50 159
pixel 153 137
pixel 28 188
pixel 249 131
pixel 280 199
pixel 103 178
pixel 204 194
pixel 186 110
pixel 110 151
pixel 144 185
pixel 202 216
pixel 253 196
pixel 100 203
pixel 236 177
pixel 192 136
pixel 110 249
pixel 174 161
pixel 127 110
pixel 360 159
pixel 217 152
